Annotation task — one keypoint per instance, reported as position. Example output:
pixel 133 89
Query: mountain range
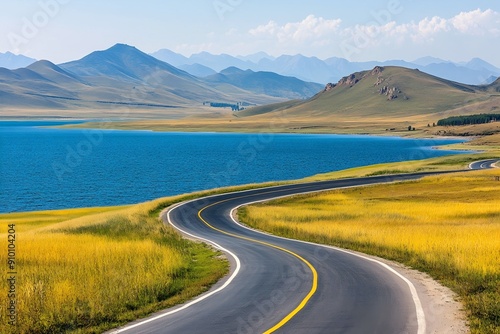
pixel 125 76
pixel 309 69
pixel 313 69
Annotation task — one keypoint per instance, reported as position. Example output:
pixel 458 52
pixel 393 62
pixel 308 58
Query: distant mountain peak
pixel 122 46
pixel 117 50
pixel 43 64
pixel 424 61
pixel 171 57
pixel 120 61
pixel 480 64
pixel 232 70
pixel 256 57
pixel 12 61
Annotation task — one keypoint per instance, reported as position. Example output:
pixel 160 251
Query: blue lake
pixel 46 168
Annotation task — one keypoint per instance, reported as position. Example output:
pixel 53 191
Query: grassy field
pixel 87 270
pixel 448 226
pixel 453 162
pixel 283 123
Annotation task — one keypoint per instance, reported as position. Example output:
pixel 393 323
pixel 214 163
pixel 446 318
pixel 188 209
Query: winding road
pixel 287 286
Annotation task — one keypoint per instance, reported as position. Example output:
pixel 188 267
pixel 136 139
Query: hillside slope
pixel 390 92
pixel 119 76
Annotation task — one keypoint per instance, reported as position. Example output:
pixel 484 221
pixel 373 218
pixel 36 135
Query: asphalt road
pixel 286 286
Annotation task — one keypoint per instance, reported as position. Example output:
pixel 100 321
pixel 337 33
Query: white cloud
pixel 432 26
pixel 311 28
pixel 477 22
pixel 326 37
pixel 268 29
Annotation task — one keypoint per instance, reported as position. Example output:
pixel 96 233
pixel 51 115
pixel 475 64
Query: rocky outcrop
pixel 392 93
pixel 379 81
pixel 377 70
pixel 349 80
pixel 329 86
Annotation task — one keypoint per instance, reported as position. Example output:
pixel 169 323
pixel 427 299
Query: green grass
pixel 427 95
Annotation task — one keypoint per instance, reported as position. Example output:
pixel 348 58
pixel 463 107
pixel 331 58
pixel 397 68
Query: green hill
pixel 386 92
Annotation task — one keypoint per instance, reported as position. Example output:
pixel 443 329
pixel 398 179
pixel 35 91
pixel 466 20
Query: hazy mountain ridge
pixel 11 61
pixel 267 83
pixel 124 75
pixel 313 69
pixel 310 69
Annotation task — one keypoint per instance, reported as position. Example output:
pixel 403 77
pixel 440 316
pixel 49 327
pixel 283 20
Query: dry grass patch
pixel 87 270
pixel 448 226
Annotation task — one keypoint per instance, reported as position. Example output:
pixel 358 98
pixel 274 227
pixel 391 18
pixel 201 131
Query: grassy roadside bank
pixel 88 270
pixel 447 226
pixel 91 269
pixel 74 266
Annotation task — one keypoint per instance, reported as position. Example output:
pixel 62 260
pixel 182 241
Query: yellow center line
pixel 314 286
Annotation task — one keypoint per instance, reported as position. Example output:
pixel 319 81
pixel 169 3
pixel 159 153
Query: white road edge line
pixel 203 297
pixel 421 322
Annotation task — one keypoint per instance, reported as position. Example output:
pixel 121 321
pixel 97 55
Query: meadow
pixel 91 269
pixel 88 270
pixel 447 226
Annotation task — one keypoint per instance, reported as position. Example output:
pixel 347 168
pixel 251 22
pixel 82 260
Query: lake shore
pixel 72 223
pixel 452 162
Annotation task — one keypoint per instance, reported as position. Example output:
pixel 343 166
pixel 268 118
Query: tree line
pixel 234 107
pixel 468 120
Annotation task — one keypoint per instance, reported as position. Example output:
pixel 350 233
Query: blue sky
pixel 63 30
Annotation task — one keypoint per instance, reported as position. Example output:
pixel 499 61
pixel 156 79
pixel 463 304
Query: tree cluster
pixel 234 107
pixel 468 120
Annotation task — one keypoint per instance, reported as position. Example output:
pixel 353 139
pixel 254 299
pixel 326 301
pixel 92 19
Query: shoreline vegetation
pixel 75 264
pixel 284 121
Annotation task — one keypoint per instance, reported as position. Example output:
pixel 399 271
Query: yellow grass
pixel 446 163
pixel 85 270
pixel 273 123
pixel 26 220
pixel 448 226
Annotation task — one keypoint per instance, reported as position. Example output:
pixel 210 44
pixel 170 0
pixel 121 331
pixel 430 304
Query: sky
pixel 362 30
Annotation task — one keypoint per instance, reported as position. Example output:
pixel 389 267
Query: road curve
pixel 287 286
